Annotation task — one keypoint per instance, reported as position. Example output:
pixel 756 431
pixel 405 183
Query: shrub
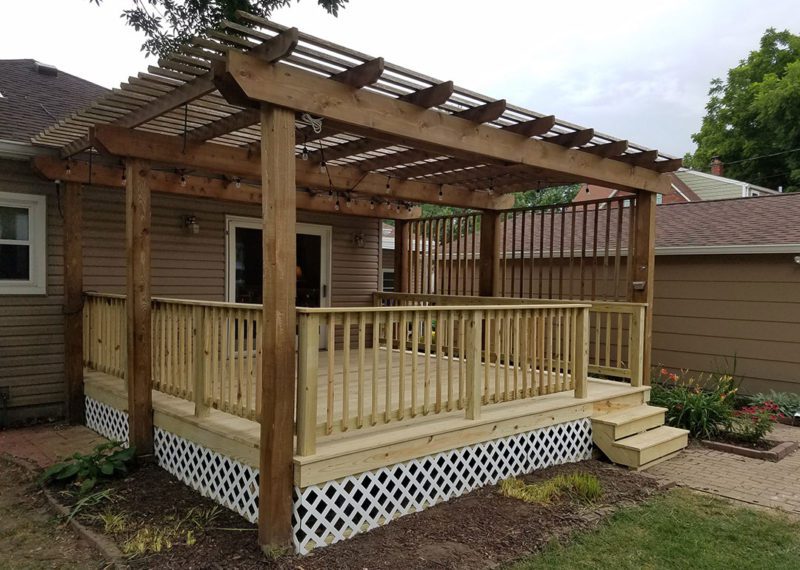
pixel 703 405
pixel 788 403
pixel 752 423
pixel 108 460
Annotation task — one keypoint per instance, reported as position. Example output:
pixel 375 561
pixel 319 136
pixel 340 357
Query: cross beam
pixel 236 161
pixel 427 129
pixel 211 188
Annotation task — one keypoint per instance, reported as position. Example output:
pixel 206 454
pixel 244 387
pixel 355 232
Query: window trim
pixel 384 271
pixel 36 204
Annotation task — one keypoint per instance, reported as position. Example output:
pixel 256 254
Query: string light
pixel 441 192
pixel 67 168
pixel 237 182
pixel 336 206
pixel 322 167
pixel 304 154
pixel 349 202
pixel 372 203
pixel 388 185
pixel 183 179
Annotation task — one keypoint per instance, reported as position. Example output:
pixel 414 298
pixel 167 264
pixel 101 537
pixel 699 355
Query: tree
pixel 752 118
pixel 169 23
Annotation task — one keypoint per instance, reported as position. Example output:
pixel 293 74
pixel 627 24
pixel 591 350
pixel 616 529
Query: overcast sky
pixel 633 69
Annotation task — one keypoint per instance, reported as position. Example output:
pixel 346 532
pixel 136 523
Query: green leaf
pixel 86 486
pixel 107 469
pixel 69 471
pixel 52 471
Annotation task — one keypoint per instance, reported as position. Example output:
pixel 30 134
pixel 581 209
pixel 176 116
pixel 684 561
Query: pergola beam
pixel 432 96
pixel 386 117
pixel 234 161
pixel 613 148
pixel 210 188
pixel 532 128
pixel 572 139
pixel 485 113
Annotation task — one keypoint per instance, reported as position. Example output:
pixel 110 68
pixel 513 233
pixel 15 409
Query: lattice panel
pixel 107 421
pixel 228 482
pixel 327 513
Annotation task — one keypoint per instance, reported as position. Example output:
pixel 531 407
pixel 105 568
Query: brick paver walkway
pixel 46 444
pixel 753 481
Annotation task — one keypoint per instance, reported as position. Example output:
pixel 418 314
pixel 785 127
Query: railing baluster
pixel 307 375
pixel 345 371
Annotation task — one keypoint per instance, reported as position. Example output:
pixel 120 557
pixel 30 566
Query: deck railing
pixel 203 351
pixel 399 363
pixel 616 339
pixel 105 334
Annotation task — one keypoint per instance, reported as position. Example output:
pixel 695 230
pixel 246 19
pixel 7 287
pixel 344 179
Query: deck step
pixel 629 421
pixel 643 448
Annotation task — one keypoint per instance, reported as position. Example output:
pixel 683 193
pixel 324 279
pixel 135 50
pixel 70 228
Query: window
pixel 22 244
pixel 388 280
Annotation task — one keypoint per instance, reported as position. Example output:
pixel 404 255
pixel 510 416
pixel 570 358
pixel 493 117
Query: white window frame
pixel 37 243
pixel 384 271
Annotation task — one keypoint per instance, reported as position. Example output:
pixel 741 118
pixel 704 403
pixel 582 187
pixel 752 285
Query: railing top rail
pixel 506 300
pixel 196 302
pixel 411 308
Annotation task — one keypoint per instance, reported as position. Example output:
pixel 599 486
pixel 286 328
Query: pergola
pixel 263 113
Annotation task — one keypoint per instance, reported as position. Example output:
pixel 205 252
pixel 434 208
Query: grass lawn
pixel 680 529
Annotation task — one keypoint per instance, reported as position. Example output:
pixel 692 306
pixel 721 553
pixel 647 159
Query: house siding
pixel 184 265
pixel 734 313
pixel 32 326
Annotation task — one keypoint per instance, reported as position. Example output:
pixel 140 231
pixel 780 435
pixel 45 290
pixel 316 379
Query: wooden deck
pixel 355 450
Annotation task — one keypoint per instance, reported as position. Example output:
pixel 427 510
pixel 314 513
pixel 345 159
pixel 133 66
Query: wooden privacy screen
pixel 440 256
pixel 568 251
pixel 575 251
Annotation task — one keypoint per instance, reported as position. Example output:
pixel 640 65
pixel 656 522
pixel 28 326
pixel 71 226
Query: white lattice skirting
pixel 336 510
pixel 220 478
pixel 107 421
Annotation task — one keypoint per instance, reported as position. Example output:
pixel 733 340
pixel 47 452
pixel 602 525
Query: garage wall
pixel 716 311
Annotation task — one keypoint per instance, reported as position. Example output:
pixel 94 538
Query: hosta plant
pixel 84 471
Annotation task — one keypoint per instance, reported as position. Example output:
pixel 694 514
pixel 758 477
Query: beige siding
pixel 184 265
pixel 31 327
pixel 712 311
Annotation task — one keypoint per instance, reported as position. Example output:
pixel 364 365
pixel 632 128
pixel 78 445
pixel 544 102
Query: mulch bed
pixel 480 530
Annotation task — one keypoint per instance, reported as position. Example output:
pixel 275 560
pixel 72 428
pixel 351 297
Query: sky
pixel 637 70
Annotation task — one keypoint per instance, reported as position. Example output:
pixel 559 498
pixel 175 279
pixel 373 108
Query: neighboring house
pixel 688 185
pixel 202 249
pixel 680 193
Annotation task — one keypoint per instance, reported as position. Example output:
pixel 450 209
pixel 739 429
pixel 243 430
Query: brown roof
pixel 33 100
pixel 765 220
pixel 590 192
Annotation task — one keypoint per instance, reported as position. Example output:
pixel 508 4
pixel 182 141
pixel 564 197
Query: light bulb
pixel 304 154
pixel 322 167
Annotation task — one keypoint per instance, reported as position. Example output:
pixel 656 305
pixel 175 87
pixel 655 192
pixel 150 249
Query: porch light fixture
pixel 191 224
pixel 358 239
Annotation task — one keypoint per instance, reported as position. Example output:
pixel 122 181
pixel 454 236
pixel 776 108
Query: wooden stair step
pixel 653 444
pixel 650 438
pixel 629 415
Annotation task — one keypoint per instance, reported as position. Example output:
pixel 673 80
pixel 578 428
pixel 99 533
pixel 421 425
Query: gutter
pixel 14 150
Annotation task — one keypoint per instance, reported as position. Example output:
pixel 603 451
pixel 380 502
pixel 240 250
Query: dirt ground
pixel 31 537
pixel 479 530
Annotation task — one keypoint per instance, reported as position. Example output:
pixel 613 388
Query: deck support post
pixel 278 338
pixel 643 279
pixel 491 245
pixel 581 366
pixel 307 370
pixel 138 307
pixel 402 282
pixel 474 349
pixel 201 408
pixel 73 303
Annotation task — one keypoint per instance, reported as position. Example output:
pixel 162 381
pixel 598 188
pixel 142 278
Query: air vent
pixel 44 69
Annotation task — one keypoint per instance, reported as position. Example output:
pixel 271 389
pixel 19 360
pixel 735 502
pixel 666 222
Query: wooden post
pixel 307 370
pixel 201 408
pixel 636 335
pixel 643 279
pixel 401 275
pixel 580 369
pixel 73 303
pixel 278 338
pixel 491 247
pixel 473 349
pixel 139 311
